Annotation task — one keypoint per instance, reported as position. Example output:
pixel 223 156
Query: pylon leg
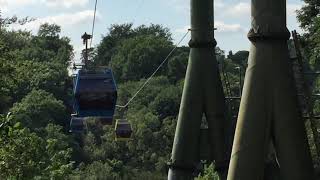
pixel 289 131
pixel 269 106
pixel 186 142
pixel 201 89
pixel 216 115
pixel 252 133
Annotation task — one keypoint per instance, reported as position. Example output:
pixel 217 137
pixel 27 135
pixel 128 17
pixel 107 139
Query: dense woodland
pixel 36 100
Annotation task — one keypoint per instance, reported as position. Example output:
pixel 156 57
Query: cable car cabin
pixel 95 95
pixel 123 130
pixel 77 124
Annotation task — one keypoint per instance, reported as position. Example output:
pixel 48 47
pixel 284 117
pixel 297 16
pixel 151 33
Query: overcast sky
pixel 232 17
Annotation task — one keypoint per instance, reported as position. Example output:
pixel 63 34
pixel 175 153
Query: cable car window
pixel 96 101
pixel 96 85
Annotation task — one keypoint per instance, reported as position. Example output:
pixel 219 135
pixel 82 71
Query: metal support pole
pixel 202 93
pixel 269 107
pixel 240 79
pixel 85 38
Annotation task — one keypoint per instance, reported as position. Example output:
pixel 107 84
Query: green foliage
pixel 126 90
pixel 118 33
pixel 309 19
pixel 4 90
pixel 308 14
pixel 240 58
pixel 47 30
pixel 138 57
pixel 167 102
pixel 58 152
pixel 20 153
pixel 30 75
pixel 25 155
pixel 108 45
pixel 33 62
pixel 38 109
pixel 177 65
pixel 209 174
pixel 234 67
pixel 97 170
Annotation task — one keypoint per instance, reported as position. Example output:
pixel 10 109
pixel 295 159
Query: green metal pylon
pixel 269 109
pixel 202 93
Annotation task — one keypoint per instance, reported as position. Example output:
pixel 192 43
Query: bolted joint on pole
pixel 202 23
pixel 260 35
pixel 203 44
pixel 268 20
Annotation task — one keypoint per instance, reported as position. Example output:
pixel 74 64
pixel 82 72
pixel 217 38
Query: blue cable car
pixel 95 94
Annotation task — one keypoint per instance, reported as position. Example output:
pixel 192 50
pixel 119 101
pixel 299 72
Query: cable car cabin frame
pixel 123 130
pixel 78 124
pixel 95 94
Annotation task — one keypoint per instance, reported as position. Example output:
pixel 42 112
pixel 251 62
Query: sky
pixel 232 17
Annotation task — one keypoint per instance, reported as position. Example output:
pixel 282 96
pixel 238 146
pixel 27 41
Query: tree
pixel 20 152
pixel 49 30
pixel 25 155
pixel 240 58
pixel 308 14
pixel 46 76
pixel 33 62
pixel 167 102
pixel 177 64
pixel 58 152
pixel 209 174
pixel 6 99
pixel 38 109
pixel 220 55
pixel 48 42
pixel 108 44
pixel 12 42
pixel 118 33
pixel 154 30
pixel 138 57
pixel 309 19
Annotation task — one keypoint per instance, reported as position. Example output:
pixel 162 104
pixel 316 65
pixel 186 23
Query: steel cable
pixel 152 75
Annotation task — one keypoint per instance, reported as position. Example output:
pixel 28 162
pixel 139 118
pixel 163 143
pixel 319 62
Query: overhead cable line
pixel 152 75
pixel 93 22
